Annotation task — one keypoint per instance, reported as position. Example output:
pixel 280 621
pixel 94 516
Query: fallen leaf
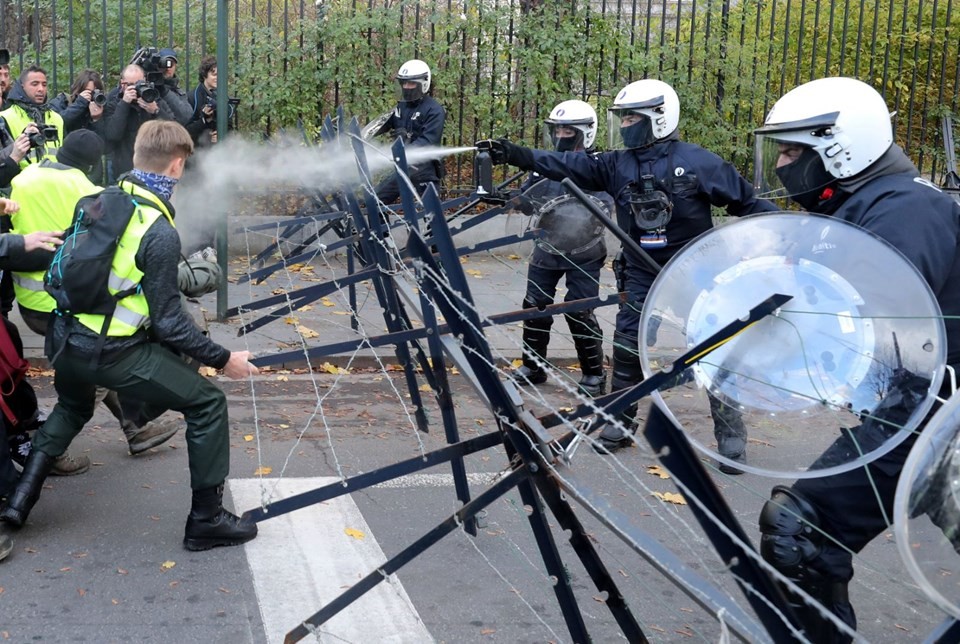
pixel 282 378
pixel 208 372
pixel 332 368
pixel 278 291
pixel 307 332
pixel 516 363
pixel 167 565
pixel 327 302
pixel 121 571
pixel 248 438
pixel 425 388
pixel 81 591
pixel 487 631
pixel 305 307
pixel 474 272
pixel 263 470
pixel 115 602
pixel 291 319
pixel 514 257
pixel 656 470
pixel 671 497
pixel 356 534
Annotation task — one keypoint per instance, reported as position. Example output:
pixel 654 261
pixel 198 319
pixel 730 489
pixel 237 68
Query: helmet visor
pixel 789 170
pixel 564 136
pixel 411 88
pixel 629 128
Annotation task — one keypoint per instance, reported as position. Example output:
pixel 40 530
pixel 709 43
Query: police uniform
pixel 853 507
pixel 694 180
pixel 422 124
pixel 580 268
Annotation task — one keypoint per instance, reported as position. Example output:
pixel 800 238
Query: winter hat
pixel 81 149
pixel 168 53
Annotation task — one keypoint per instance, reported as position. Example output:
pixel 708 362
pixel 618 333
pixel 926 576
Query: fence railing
pixel 500 65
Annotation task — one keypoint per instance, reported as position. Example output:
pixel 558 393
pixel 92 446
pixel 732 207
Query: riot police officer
pixel 664 189
pixel 573 247
pixel 418 119
pixel 829 145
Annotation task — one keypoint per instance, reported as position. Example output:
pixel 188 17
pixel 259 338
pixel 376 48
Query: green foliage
pixel 498 70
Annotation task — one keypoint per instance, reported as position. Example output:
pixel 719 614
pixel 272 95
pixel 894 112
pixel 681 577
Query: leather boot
pixel 535 341
pixel 23 499
pixel 154 433
pixel 730 433
pixel 69 465
pixel 613 438
pixel 210 526
pixel 590 353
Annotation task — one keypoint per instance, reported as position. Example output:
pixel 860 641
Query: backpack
pixel 80 269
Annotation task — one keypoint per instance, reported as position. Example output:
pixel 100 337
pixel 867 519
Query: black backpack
pixel 80 269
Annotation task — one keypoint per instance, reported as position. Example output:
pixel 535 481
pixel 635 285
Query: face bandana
pixel 158 183
pixel 638 135
pixel 805 179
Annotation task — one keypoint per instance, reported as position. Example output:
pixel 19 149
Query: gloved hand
pixel 400 133
pixel 503 152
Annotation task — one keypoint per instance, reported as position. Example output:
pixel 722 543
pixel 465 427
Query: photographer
pixel 134 102
pixel 203 100
pixel 28 106
pixel 82 109
pixel 170 91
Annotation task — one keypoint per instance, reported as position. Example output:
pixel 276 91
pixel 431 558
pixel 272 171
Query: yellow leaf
pixel 454 371
pixel 167 565
pixel 425 388
pixel 516 364
pixel 305 307
pixel 291 319
pixel 478 421
pixel 248 438
pixel 278 291
pixel 341 312
pixel 282 426
pixel 282 378
pixel 356 534
pixel 671 497
pixel 656 470
pixel 326 302
pixel 263 470
pixel 307 332
pixel 332 368
pixel 208 372
pixel 513 257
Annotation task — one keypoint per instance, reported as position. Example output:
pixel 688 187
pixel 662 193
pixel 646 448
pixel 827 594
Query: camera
pixel 651 209
pixel 4 56
pixel 231 102
pixel 40 138
pixel 153 65
pixel 99 97
pixel 147 91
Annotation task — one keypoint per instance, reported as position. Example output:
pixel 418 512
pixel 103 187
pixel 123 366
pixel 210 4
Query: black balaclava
pixel 806 178
pixel 638 135
pixel 569 143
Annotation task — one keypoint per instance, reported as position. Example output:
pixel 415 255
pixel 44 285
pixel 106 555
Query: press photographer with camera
pixel 169 84
pixel 203 101
pixel 83 107
pixel 134 102
pixel 28 106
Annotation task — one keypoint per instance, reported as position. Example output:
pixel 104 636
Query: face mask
pixel 411 95
pixel 805 179
pixel 569 143
pixel 638 135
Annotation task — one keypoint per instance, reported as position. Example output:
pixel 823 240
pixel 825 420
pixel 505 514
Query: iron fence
pixel 499 65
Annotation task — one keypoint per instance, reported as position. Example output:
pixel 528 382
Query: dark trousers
pixel 153 374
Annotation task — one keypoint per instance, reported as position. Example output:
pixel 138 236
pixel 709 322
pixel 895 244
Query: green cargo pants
pixel 155 375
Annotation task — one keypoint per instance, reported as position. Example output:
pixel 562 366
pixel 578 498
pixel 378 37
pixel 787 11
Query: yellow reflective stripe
pixel 28 283
pixel 117 283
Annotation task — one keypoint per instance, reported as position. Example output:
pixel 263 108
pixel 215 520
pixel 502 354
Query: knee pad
pixel 542 323
pixel 583 324
pixel 790 534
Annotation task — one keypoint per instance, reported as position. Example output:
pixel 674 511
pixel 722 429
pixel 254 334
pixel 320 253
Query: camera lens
pixel 99 97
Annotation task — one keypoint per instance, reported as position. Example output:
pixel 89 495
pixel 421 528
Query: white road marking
pixel 441 480
pixel 303 560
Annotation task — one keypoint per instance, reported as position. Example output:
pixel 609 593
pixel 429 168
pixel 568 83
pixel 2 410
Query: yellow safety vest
pixel 47 193
pixel 17 121
pixel 132 312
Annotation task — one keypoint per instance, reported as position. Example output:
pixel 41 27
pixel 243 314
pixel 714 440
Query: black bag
pixel 80 270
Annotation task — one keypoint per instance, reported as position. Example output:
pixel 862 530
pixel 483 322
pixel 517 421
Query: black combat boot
pixel 209 525
pixel 535 341
pixel 613 437
pixel 590 353
pixel 730 433
pixel 23 499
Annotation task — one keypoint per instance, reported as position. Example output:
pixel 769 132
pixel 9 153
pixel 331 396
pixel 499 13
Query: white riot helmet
pixel 574 115
pixel 415 71
pixel 652 99
pixel 824 130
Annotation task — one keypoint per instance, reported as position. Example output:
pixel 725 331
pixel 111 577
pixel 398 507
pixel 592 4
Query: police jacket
pixel 47 193
pixel 920 221
pixel 422 121
pixel 693 178
pixel 21 111
pixel 155 257
pixel 121 121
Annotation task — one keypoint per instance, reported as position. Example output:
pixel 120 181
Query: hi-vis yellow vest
pixel 47 193
pixel 18 120
pixel 132 312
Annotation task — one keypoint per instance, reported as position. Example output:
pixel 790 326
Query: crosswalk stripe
pixel 303 560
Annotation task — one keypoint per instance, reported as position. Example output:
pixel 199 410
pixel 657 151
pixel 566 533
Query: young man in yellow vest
pixel 47 193
pixel 134 358
pixel 28 105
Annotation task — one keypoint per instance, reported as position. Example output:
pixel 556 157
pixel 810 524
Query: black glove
pixel 401 133
pixel 503 152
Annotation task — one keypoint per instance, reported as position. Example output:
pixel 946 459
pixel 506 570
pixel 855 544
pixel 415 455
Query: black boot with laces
pixel 211 526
